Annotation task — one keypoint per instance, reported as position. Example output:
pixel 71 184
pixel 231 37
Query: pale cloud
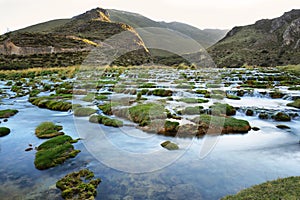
pixel 15 14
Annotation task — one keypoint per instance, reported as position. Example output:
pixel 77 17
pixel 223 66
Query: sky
pixel 222 14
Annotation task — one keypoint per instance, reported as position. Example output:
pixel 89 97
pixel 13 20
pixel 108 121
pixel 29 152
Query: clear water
pixel 236 162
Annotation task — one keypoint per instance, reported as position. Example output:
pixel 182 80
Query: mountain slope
pixel 68 42
pixel 268 42
pixel 206 37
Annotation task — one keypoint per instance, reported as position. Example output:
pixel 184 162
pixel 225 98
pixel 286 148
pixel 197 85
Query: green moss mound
pixel 84 112
pixel 234 97
pixel 169 145
pixel 48 130
pixel 8 113
pixel 162 92
pixel 51 103
pixel 108 107
pixel 193 100
pixel 282 117
pixel 295 104
pixel 192 110
pixel 144 113
pixel 54 151
pixel 100 119
pixel 209 124
pixel 59 140
pixel 4 131
pixel 222 109
pixel 79 185
pixel 287 188
pixel 171 127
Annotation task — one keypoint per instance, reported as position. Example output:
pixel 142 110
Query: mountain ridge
pixel 267 42
pixel 68 42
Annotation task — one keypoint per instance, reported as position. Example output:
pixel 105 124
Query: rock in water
pixel 169 145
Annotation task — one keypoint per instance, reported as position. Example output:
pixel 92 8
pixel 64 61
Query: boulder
pixel 169 145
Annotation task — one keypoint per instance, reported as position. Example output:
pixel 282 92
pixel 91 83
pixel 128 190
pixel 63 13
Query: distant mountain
pixel 206 37
pixel 67 42
pixel 268 42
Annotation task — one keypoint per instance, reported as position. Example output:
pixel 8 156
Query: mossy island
pixel 79 185
pixel 84 112
pixel 4 131
pixel 51 103
pixel 55 151
pixel 48 130
pixel 7 113
pixel 100 119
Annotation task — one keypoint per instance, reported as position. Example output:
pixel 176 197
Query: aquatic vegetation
pixel 4 131
pixel 84 112
pixel 295 104
pixel 222 109
pixel 193 100
pixel 7 113
pixel 171 127
pixel 185 86
pixel 224 125
pixel 79 185
pixel 204 92
pixel 107 108
pixel 59 140
pixel 100 119
pixel 34 93
pixel 147 85
pixel 286 188
pixel 214 96
pixel 89 97
pixel 144 113
pixel 234 97
pixel 162 92
pixel 213 85
pixel 48 130
pixel 50 103
pixel 196 110
pixel 169 145
pixel 54 151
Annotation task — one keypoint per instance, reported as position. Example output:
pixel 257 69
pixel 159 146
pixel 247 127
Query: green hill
pixel 206 37
pixel 268 42
pixel 67 42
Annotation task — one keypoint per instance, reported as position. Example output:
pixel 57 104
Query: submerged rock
pixel 249 112
pixel 281 126
pixel 255 128
pixel 169 145
pixel 263 115
pixel 295 104
pixel 281 116
pixel 29 149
